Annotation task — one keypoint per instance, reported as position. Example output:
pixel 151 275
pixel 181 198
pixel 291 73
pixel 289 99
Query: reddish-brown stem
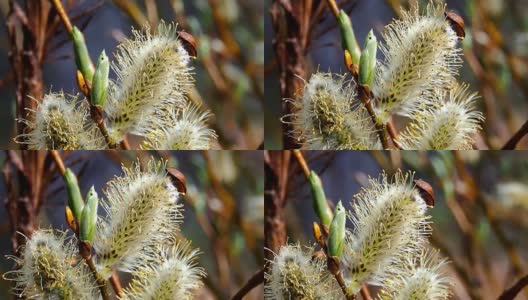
pixel 116 284
pixel 365 293
pixel 514 140
pixel 253 282
pixel 333 6
pixel 62 14
pixel 364 95
pixel 58 161
pixel 393 134
pixel 512 292
pixel 85 251
pixel 302 162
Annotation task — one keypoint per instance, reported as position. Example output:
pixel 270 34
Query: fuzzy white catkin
pixel 49 269
pixel 420 54
pixel 294 275
pixel 389 225
pixel 142 209
pixel 61 122
pixel 181 129
pixel 152 74
pixel 165 274
pixel 328 116
pixel 449 125
pixel 422 280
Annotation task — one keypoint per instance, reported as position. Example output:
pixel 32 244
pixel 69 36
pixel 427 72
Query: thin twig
pixel 62 14
pixel 393 134
pixel 302 162
pixel 512 292
pixel 365 293
pixel 116 284
pixel 333 6
pixel 253 282
pixel 364 95
pixel 514 140
pixel 58 161
pixel 103 288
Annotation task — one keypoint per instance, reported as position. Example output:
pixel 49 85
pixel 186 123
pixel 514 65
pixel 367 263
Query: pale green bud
pixel 367 63
pixel 75 201
pixel 337 231
pixel 319 199
pixel 82 57
pixel 100 80
pixel 348 39
pixel 89 217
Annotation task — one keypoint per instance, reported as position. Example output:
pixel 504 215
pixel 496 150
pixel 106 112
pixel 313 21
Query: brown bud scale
pixel 426 191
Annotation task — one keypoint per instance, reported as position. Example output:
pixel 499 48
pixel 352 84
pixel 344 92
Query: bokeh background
pixel 223 210
pixel 228 70
pixel 495 59
pixel 479 217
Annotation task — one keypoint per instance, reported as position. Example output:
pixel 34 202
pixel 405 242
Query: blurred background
pixel 228 69
pixel 495 58
pixel 223 209
pixel 479 217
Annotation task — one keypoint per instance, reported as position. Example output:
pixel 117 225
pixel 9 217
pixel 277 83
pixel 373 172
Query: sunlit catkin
pixel 422 279
pixel 328 116
pixel 61 122
pixel 166 274
pixel 294 275
pixel 181 129
pixel 449 125
pixel 420 54
pixel 142 209
pixel 50 270
pixel 389 225
pixel 152 74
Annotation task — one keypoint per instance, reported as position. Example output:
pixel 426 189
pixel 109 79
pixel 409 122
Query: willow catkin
pixel 49 269
pixel 181 129
pixel 421 54
pixel 61 122
pixel 152 74
pixel 165 274
pixel 422 280
pixel 389 225
pixel 450 125
pixel 142 209
pixel 294 275
pixel 328 116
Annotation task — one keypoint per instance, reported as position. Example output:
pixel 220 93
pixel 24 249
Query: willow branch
pixel 95 112
pixel 512 292
pixel 253 282
pixel 302 162
pixel 84 249
pixel 516 138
